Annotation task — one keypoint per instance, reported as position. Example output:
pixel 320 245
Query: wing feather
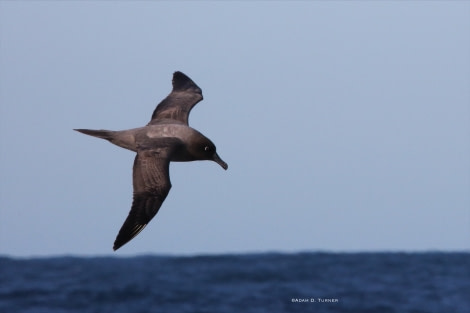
pixel 178 104
pixel 151 181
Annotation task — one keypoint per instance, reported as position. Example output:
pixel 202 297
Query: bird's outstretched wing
pixel 151 181
pixel 179 102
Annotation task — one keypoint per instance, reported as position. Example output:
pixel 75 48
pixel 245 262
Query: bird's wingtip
pixel 182 82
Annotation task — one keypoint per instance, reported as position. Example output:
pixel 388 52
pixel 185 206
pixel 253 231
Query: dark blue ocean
pixel 262 283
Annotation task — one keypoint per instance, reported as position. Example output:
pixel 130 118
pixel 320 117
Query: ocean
pixel 256 283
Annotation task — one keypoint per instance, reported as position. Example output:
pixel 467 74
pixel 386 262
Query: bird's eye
pixel 207 148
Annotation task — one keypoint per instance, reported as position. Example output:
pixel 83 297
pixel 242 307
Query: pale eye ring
pixel 206 148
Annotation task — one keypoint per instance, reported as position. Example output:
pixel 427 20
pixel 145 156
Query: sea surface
pixel 261 283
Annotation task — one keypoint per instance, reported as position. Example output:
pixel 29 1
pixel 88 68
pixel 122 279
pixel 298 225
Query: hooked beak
pixel 219 161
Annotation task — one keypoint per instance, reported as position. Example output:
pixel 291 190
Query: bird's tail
pixel 105 134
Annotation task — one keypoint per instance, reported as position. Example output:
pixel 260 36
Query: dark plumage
pixel 167 137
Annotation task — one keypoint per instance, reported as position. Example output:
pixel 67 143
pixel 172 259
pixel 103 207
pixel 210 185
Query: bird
pixel 166 138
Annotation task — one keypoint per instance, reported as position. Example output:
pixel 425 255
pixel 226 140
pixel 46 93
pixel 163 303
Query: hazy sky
pixel 346 125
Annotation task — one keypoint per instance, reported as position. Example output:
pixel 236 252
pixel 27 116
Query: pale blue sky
pixel 346 125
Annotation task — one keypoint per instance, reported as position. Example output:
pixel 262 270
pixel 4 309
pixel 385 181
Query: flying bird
pixel 166 138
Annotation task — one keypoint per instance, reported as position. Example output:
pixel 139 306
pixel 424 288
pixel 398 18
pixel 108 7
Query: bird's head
pixel 204 149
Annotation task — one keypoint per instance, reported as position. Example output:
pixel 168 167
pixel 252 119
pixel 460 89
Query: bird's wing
pixel 179 102
pixel 151 181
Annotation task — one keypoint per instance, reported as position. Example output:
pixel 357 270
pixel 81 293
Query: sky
pixel 345 125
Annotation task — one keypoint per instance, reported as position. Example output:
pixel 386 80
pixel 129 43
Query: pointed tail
pixel 105 134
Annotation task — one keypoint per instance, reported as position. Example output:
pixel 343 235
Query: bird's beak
pixel 219 161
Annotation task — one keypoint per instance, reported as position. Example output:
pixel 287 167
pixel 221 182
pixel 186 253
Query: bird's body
pixel 148 136
pixel 166 138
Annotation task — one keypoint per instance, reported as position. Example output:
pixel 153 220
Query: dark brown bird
pixel 167 137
